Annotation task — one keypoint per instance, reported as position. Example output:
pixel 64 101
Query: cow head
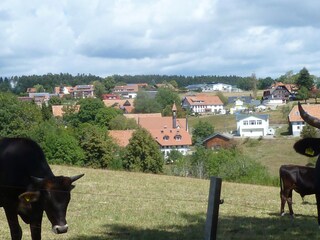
pixel 308 146
pixel 53 196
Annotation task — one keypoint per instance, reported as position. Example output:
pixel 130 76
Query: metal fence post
pixel 213 208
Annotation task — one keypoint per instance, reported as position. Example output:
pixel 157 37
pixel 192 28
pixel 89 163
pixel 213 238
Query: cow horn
pixel 313 121
pixel 75 178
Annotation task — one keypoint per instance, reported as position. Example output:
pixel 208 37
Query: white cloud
pixel 188 37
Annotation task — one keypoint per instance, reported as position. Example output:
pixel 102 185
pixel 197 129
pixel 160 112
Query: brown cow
pixel 298 178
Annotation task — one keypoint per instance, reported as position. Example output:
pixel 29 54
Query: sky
pixel 267 38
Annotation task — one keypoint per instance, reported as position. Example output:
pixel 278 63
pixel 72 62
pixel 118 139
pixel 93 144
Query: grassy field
pixel 121 205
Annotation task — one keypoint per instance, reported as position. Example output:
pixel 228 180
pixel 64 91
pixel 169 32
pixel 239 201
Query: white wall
pixel 252 127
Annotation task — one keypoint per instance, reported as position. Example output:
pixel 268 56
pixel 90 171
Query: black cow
pixel 298 178
pixel 28 187
pixel 311 147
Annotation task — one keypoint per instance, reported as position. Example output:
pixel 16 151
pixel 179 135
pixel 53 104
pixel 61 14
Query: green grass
pixel 121 205
pixel 272 153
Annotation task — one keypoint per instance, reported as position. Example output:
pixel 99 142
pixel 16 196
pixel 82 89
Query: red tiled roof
pixel 312 109
pixel 161 129
pixel 119 103
pixel 161 122
pixel 171 137
pixel 203 100
pixel 122 137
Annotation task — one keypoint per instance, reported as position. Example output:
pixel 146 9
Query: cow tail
pixel 281 182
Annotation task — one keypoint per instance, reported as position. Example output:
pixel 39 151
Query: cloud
pixel 187 37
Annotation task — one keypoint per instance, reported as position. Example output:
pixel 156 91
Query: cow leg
pixel 35 226
pixel 283 202
pixel 289 200
pixel 12 217
pixel 318 207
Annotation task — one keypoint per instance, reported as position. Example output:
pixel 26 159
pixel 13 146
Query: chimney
pixel 174 116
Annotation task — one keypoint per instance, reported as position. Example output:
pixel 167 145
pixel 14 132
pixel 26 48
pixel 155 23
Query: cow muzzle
pixel 60 229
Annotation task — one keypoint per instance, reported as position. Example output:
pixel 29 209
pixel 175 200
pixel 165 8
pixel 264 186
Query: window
pixel 245 122
pixel 166 137
pixel 252 122
pixel 177 137
pixel 259 122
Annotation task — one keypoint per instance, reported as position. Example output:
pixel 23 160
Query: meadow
pixel 124 205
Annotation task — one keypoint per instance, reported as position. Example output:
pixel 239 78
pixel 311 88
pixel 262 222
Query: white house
pixel 296 122
pixel 203 104
pixel 252 125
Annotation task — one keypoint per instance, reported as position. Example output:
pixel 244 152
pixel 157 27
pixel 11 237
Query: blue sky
pixel 183 37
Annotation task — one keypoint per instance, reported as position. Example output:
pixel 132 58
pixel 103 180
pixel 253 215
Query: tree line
pixel 20 84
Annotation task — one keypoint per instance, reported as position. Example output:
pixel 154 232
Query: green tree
pixel 303 94
pixel 17 117
pixel 201 130
pixel 265 83
pixel 304 79
pixel 5 85
pixel 174 156
pixel 99 89
pixel 89 107
pixel 315 93
pixel 145 104
pixel 39 88
pixel 143 153
pixel 174 83
pixel 54 100
pixel 120 122
pixel 109 83
pixel 288 77
pixel 105 115
pixel 200 161
pixel 46 111
pixel 98 147
pixel 59 146
pixel 166 97
pixel 308 132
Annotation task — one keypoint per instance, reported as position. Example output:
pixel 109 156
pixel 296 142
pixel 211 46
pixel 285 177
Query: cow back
pixel 21 158
pixel 301 178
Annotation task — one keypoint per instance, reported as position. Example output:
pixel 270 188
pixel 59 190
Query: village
pixel 172 133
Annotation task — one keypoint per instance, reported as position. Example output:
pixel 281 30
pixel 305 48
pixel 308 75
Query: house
pixel 203 104
pixel 126 105
pixel 171 133
pixel 82 91
pixel 217 141
pixel 127 91
pixel 296 123
pixel 78 91
pixel 40 98
pixel 278 94
pixel 252 125
pixel 121 137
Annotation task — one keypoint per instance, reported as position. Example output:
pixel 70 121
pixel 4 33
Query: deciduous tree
pixel 143 153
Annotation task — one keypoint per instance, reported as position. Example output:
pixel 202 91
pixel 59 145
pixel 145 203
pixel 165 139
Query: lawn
pixel 121 205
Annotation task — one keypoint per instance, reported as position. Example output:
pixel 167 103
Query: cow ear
pixel 307 146
pixel 72 187
pixel 29 197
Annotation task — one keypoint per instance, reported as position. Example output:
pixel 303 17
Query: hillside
pixel 121 205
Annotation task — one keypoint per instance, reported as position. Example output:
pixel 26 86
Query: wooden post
pixel 213 208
